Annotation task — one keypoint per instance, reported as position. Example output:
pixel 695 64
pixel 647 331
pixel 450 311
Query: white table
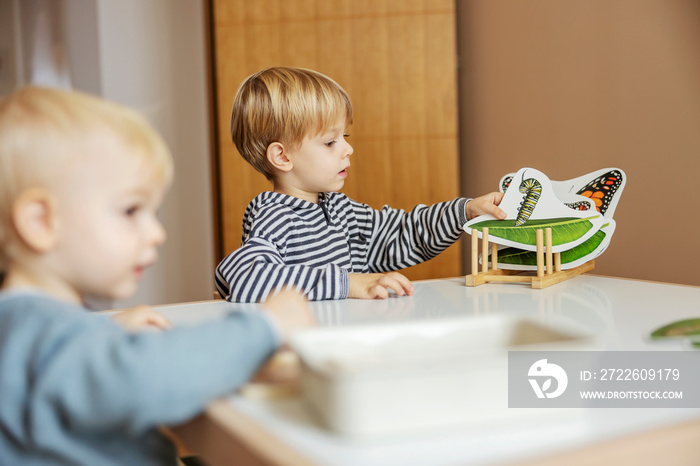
pixel 623 312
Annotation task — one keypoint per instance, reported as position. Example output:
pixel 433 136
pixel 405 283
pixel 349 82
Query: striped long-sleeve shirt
pixel 313 247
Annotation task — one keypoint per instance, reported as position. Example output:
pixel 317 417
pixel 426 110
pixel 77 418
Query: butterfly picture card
pixel 531 204
pixel 511 258
pixel 604 187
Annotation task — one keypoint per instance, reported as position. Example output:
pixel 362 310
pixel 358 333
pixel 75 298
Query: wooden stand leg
pixel 485 250
pixel 494 256
pixel 548 245
pixel 540 253
pixel 475 252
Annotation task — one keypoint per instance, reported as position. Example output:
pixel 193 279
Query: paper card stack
pixel 579 211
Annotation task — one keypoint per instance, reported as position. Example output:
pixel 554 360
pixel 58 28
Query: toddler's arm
pixel 141 318
pixel 135 381
pixel 401 239
pixel 250 273
pixel 290 312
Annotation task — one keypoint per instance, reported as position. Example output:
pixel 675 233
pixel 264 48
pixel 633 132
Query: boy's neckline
pixel 300 194
pixel 297 201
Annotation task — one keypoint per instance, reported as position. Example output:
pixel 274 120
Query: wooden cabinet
pixel 396 59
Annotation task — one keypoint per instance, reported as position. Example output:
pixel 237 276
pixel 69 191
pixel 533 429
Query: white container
pixel 398 378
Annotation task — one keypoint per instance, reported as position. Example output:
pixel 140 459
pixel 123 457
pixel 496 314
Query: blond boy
pixel 80 182
pixel 290 124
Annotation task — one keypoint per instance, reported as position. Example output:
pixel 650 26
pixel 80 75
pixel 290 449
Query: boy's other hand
pixel 376 285
pixel 141 318
pixel 290 310
pixel 486 204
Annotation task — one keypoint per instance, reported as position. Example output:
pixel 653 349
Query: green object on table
pixel 688 328
pixel 522 257
pixel 564 230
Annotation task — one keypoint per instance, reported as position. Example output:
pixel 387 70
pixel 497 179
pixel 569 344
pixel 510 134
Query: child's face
pixel 320 164
pixel 107 226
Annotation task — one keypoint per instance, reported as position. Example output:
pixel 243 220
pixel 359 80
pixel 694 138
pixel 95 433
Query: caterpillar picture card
pixel 603 187
pixel 534 205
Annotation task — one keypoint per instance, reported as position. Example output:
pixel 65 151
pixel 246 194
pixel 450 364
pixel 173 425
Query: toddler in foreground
pixel 80 182
pixel 290 125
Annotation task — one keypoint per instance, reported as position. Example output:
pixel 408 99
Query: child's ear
pixel 277 156
pixel 34 220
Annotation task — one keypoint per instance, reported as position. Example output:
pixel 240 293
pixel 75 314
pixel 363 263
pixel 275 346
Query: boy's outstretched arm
pixel 376 285
pixel 486 204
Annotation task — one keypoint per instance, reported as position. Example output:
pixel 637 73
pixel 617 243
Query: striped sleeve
pixel 251 272
pixel 401 239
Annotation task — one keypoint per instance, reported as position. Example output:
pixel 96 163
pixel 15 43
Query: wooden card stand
pixel 549 269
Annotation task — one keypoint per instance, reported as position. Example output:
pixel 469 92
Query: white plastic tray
pixel 397 378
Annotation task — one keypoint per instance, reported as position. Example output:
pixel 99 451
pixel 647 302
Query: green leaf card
pixel 519 259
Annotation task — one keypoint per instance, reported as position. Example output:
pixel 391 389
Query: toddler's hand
pixel 140 318
pixel 375 285
pixel 290 310
pixel 486 204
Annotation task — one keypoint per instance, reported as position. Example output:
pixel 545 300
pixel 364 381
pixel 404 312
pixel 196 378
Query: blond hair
pixel 44 130
pixel 284 105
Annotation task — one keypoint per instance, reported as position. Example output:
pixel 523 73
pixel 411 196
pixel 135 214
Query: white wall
pixel 10 71
pixel 149 55
pixel 152 58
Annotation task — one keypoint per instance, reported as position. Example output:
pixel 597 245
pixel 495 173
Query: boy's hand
pixel 141 318
pixel 290 310
pixel 486 204
pixel 376 285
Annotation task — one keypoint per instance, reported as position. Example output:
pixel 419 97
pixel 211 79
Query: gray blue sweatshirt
pixel 75 388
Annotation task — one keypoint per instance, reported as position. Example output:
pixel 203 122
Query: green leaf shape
pixel 517 256
pixel 564 230
pixel 678 329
